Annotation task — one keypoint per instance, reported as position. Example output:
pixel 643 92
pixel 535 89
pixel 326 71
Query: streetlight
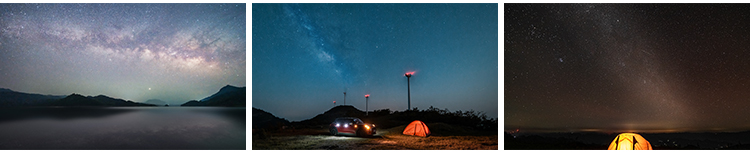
pixel 408 88
pixel 367 97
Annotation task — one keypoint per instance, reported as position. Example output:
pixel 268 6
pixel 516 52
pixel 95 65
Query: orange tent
pixel 629 141
pixel 417 128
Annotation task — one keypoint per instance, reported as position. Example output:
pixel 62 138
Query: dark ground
pixel 600 141
pixel 450 130
pixel 385 139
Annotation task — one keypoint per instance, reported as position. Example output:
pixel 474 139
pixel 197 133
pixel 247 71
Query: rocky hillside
pixel 266 120
pixel 330 115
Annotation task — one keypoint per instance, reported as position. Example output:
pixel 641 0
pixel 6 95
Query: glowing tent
pixel 417 128
pixel 629 141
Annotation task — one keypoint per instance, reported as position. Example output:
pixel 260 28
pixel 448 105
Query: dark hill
pixel 155 102
pixel 76 100
pixel 227 96
pixel 235 97
pixel 101 100
pixel 330 115
pixel 265 120
pixel 224 90
pixel 109 101
pixel 193 103
pixel 10 98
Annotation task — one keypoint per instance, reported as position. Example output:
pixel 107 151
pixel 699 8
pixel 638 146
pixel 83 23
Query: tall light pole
pixel 367 97
pixel 344 97
pixel 408 88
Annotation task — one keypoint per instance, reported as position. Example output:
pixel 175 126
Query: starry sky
pixel 632 67
pixel 171 52
pixel 304 56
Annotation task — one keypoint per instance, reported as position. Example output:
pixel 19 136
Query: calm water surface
pixel 122 128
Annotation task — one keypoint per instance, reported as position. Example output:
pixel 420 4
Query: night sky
pixel 637 67
pixel 304 56
pixel 171 52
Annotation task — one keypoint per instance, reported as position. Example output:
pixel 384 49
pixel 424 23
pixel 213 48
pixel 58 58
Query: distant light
pixel 367 95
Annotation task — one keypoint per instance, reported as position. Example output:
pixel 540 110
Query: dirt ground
pixel 313 139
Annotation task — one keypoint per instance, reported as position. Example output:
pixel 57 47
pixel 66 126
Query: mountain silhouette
pixel 266 120
pixel 76 100
pixel 155 102
pixel 227 96
pixel 10 98
pixel 332 114
pixel 109 101
pixel 224 90
pixel 100 100
pixel 193 103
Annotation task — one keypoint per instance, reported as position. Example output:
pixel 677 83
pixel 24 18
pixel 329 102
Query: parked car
pixel 351 125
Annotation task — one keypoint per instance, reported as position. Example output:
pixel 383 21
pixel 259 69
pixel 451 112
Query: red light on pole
pixel 334 103
pixel 408 74
pixel 367 97
pixel 408 89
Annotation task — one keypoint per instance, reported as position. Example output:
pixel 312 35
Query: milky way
pixel 632 67
pixel 172 52
pixel 306 55
pixel 318 45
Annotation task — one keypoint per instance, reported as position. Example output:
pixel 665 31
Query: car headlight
pixel 355 126
pixel 367 127
pixel 346 125
pixel 337 125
